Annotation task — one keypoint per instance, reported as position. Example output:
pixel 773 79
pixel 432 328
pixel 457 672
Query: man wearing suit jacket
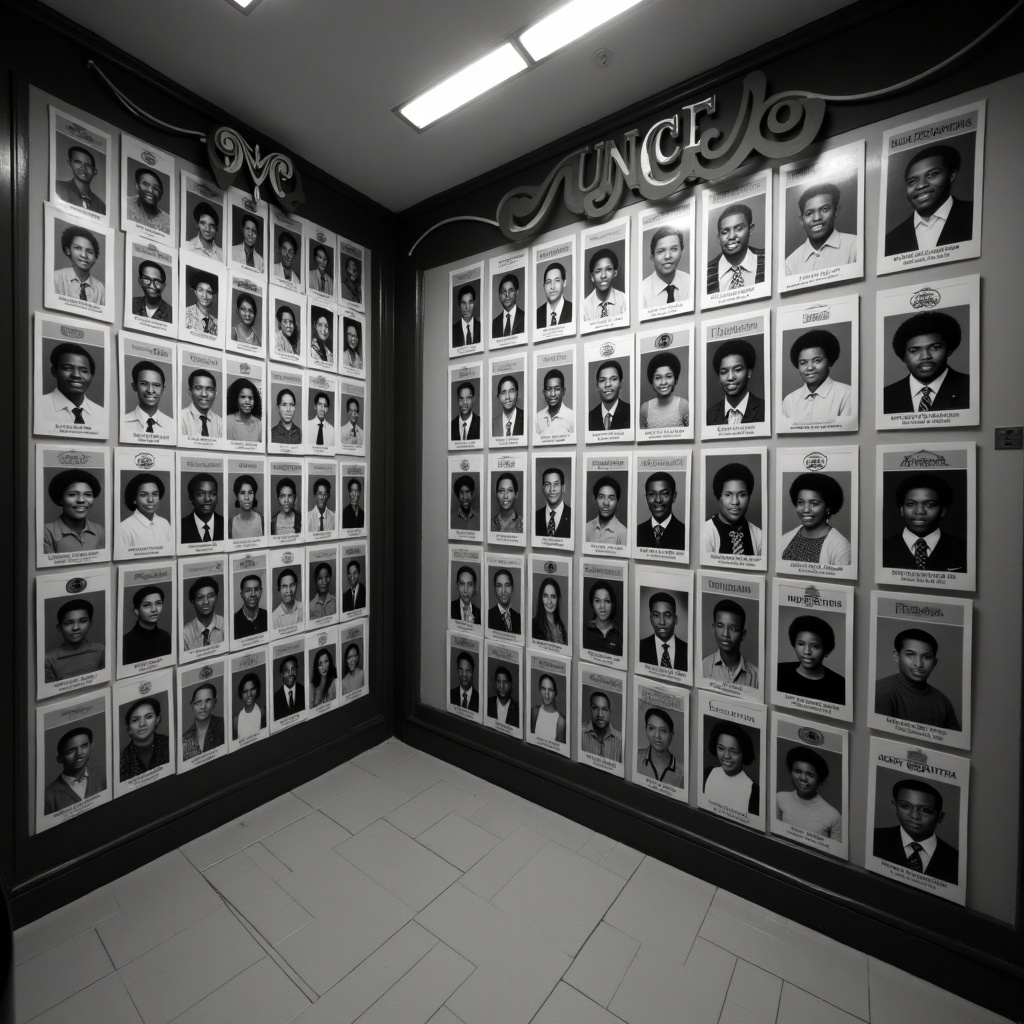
pixel 251 619
pixel 510 421
pixel 352 516
pixel 734 362
pixel 503 616
pixel 554 517
pixel 465 695
pixel 204 524
pixel 502 706
pixel 466 426
pixel 76 780
pixel 511 319
pixel 663 645
pixel 355 596
pixel 740 264
pixel 557 310
pixel 466 330
pixel 925 342
pixel 938 218
pixel 463 609
pixel 921 501
pixel 913 843
pixel 662 530
pixel 610 413
pixel 291 697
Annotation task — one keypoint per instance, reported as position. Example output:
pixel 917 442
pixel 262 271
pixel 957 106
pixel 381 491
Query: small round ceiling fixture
pixel 603 57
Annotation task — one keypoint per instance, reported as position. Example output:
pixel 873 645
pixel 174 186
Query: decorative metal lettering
pixel 228 151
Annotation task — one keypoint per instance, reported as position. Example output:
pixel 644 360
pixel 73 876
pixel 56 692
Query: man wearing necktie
pixel 511 320
pixel 466 330
pixel 924 342
pixel 73 369
pixel 611 413
pixel 740 264
pixel 201 316
pixel 206 630
pixel 321 518
pixel 199 419
pixel 203 524
pixel 290 696
pixel 509 420
pixel 663 648
pixel 554 517
pixel 667 284
pixel 912 843
pixel 354 597
pixel 351 433
pixel 463 609
pixel 663 529
pixel 734 361
pixel 465 695
pixel 245 255
pixel 319 431
pixel 922 501
pixel 250 619
pixel 502 616
pixel 466 425
pixel 149 382
pixel 82 249
pixel 77 191
pixel 557 309
pixel 604 301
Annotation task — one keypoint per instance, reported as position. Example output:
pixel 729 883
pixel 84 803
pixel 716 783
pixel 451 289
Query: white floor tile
pixel 444 1016
pixel 597 847
pixel 384 756
pixel 244 831
pixel 567 1006
pixel 470 925
pixel 623 860
pixel 62 924
pixel 254 895
pixel 168 980
pixel 899 998
pixel 419 813
pixel 458 841
pixel 267 862
pixel 557 828
pixel 733 1013
pixel 280 923
pixel 662 906
pixel 361 988
pixel 755 990
pixel 329 786
pixel 230 868
pixel 602 963
pixel 414 874
pixel 61 971
pixel 106 1000
pixel 559 896
pixel 798 1007
pixel 261 994
pixel 415 997
pixel 491 873
pixel 305 838
pixel 502 815
pixel 415 774
pixel 363 804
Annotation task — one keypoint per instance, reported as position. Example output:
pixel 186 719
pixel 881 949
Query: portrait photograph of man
pixel 607 532
pixel 248 233
pixel 466 402
pixel 147 627
pixel 602 717
pixel 288 660
pixel 465 570
pixel 353 515
pixel 200 423
pixel 504 696
pixel 554 422
pixel 80 172
pixel 79 256
pixel 466 307
pixel 465 658
pixel 464 504
pixel 76 656
pixel 734 508
pixel 504 617
pixel 203 630
pixel 508 423
pixel 200 487
pixel 72 374
pixel 288 613
pixel 663 648
pixel 735 375
pixel 354 598
pixel 322 588
pixel 352 430
pixel 508 476
pixel 510 318
pixel 665 260
pixel 730 626
pixel 611 416
pixel 320 260
pixel 553 484
pixel 147 397
pixel 661 502
pixel 351 259
pixel 200 291
pixel 320 405
pixel 148 194
pixel 553 266
pixel 321 519
pixel 606 288
pixel 250 619
pixel 149 287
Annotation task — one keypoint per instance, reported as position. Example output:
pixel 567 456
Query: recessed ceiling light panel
pixel 568 22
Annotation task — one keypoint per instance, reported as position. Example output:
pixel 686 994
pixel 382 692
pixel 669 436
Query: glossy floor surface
pixel 401 890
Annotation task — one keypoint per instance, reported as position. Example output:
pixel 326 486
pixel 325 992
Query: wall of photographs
pixel 721 499
pixel 200 421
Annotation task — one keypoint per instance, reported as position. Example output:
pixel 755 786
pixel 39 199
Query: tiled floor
pixel 397 889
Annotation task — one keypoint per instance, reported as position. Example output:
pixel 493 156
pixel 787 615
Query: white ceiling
pixel 322 76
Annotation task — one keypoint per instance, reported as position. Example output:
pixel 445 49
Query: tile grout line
pixel 732 973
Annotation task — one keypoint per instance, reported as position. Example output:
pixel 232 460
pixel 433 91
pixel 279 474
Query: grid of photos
pixel 201 438
pixel 654 607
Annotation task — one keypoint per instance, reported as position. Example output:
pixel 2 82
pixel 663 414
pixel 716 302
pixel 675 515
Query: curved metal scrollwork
pixel 229 152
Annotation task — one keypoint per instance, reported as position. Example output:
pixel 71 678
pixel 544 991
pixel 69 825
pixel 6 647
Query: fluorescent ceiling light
pixel 569 22
pixel 468 83
pixel 244 5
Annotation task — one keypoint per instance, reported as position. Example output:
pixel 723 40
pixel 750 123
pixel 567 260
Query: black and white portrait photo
pixel 73 505
pixel 601 705
pixel 245 511
pixel 143 716
pixel 321 260
pixel 608 364
pixel 148 407
pixel 607 508
pixel 147 625
pixel 554 479
pixel 202 500
pixel 730 627
pixel 466 405
pixel 200 412
pixel 603 616
pixel 661 724
pixel 247 601
pixel 510 299
pixel 202 298
pixel 662 499
pixel 605 291
pixel 547 687
pixel 149 197
pixel 150 286
pixel 663 388
pixel 666 247
pixel 509 403
pixel 737 397
pixel 247 312
pixel 285 258
pixel 82 167
pixel 203 703
pixel 204 590
pixel 734 508
pixel 465 310
pixel 554 280
pixel 202 220
pixel 78 276
pixel 663 624
pixel 144 503
pixel 554 379
pixel 248 234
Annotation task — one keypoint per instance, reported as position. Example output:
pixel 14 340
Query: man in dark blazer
pixel 734 362
pixel 465 581
pixel 929 181
pixel 610 379
pixel 508 409
pixel 465 695
pixel 291 697
pixel 925 342
pixel 921 501
pixel 152 281
pixel 251 619
pixel 74 749
pixel 556 306
pixel 662 608
pixel 913 843
pixel 553 484
pixel 503 695
pixel 511 319
pixel 503 587
pixel 739 264
pixel 355 594
pixel 203 520
pixel 466 426
pixel 467 322
pixel 352 516
pixel 660 491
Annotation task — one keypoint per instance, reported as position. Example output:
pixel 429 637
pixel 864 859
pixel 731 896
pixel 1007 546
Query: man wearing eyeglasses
pixel 151 304
pixel 913 843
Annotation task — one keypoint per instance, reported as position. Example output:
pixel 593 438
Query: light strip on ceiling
pixel 466 84
pixel 569 22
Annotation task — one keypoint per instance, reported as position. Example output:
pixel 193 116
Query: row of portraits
pixel 95 625
pixel 644 387
pixel 793 781
pixel 158 393
pixel 637 504
pixel 930 213
pixel 153 503
pixel 104 744
pixel 215 228
pixel 710 632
